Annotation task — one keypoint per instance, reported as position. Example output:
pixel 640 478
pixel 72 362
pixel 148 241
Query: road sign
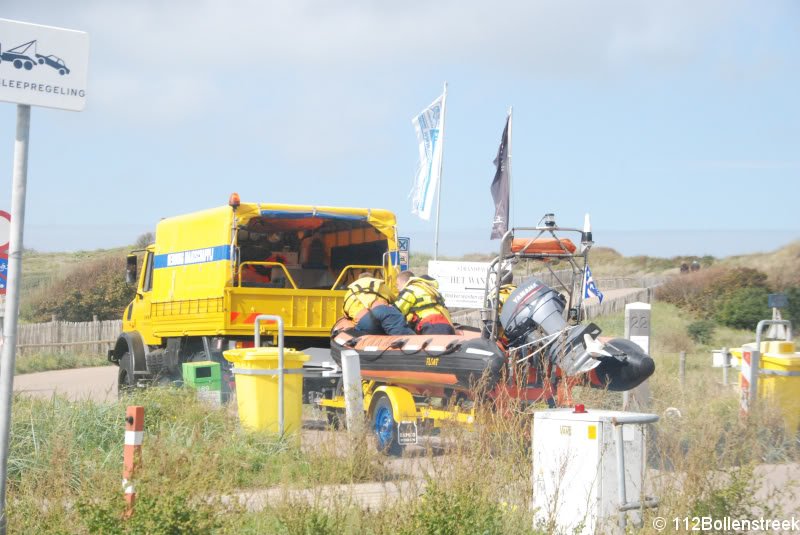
pixel 462 284
pixel 3 274
pixel 5 231
pixel 404 250
pixel 43 65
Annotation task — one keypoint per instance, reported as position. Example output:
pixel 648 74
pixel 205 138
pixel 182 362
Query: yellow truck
pixel 210 273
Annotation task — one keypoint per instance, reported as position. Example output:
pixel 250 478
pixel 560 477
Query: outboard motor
pixel 535 306
pixel 532 305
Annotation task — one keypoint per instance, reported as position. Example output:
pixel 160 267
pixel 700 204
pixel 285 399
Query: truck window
pixel 147 285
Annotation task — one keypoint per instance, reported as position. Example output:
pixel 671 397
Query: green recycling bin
pixel 206 378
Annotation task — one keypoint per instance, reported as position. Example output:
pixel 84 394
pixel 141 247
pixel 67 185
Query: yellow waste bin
pixel 779 380
pixel 255 373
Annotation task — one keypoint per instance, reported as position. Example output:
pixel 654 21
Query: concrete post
pixel 353 393
pixel 637 330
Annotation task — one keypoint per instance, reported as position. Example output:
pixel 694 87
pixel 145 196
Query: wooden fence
pixel 88 337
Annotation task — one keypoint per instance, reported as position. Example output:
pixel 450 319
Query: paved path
pixel 98 384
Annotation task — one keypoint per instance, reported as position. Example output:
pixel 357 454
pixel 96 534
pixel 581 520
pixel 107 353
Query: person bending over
pixel 368 302
pixel 422 304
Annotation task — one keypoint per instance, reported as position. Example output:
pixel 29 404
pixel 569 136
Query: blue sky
pixel 676 125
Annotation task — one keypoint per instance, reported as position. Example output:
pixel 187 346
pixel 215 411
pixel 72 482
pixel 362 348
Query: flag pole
pixel 439 185
pixel 510 175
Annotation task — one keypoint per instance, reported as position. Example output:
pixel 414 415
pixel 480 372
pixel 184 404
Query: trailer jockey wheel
pixel 385 427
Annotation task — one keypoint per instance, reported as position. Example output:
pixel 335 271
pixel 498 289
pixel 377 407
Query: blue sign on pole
pixel 404 250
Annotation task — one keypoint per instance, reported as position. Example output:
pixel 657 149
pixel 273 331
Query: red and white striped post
pixel 132 454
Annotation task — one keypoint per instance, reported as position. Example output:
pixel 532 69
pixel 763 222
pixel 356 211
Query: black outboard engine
pixel 534 311
pixel 532 305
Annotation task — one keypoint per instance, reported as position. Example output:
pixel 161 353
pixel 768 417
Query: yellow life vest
pixel 505 291
pixel 362 294
pixel 421 298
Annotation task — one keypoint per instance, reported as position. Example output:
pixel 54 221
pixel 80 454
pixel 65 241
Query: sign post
pixel 39 66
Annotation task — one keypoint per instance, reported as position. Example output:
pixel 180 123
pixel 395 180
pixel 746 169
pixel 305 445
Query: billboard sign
pixel 43 65
pixel 462 284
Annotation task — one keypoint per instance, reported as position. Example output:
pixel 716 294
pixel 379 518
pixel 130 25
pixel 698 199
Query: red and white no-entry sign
pixel 5 231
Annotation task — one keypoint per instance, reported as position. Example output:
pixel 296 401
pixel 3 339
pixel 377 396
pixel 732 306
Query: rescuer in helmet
pixel 368 302
pixel 422 304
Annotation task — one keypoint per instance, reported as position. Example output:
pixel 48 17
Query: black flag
pixel 501 187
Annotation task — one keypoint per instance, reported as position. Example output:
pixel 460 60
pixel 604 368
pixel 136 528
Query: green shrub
pixel 792 312
pixel 704 291
pixel 701 331
pixel 96 288
pixel 744 308
pixel 455 510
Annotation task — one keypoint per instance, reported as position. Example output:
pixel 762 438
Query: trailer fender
pixel 131 342
pixel 403 406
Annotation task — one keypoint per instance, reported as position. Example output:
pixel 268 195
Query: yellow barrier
pixel 255 372
pixel 779 378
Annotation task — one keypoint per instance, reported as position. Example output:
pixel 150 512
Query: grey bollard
pixel 353 394
pixel 637 330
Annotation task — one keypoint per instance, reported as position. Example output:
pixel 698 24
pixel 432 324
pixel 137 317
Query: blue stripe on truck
pixel 193 256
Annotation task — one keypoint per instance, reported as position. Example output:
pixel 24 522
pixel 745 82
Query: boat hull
pixel 464 361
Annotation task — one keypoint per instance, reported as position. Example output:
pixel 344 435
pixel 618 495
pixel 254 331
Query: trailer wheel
pixel 335 417
pixel 17 64
pixel 385 427
pixel 41 61
pixel 28 65
pixel 126 382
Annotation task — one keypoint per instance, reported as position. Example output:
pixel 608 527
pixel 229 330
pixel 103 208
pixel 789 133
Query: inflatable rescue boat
pixel 538 349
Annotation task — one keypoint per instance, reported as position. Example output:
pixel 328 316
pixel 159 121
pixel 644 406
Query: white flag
pixel 429 125
pixel 590 286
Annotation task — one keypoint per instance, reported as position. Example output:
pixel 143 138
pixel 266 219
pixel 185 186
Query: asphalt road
pixel 97 384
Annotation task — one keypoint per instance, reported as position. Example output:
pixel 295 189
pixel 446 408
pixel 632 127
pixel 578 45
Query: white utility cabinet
pixel 576 484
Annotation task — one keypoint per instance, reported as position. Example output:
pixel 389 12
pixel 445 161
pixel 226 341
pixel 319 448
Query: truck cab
pixel 209 274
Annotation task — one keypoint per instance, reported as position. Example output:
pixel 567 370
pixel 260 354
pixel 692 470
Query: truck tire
pixel 126 380
pixel 385 427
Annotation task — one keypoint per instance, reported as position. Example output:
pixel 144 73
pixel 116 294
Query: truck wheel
pixel 126 381
pixel 17 64
pixel 28 65
pixel 385 427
